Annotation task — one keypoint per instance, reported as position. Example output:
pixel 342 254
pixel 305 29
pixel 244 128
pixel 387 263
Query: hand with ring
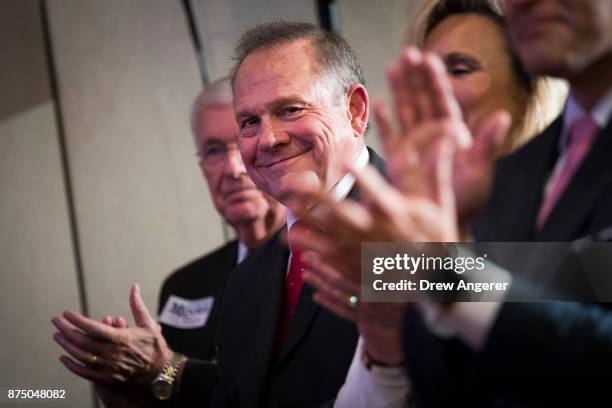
pixel 378 323
pixel 120 360
pixel 93 359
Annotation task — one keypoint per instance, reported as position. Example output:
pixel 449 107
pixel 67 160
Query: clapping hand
pixel 120 360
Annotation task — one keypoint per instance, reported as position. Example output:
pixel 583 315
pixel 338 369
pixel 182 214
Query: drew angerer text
pixel 425 285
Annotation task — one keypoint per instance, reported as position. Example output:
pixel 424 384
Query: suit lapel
pixel 271 270
pixel 304 315
pixel 579 198
pixel 375 161
pixel 231 256
pixel 529 171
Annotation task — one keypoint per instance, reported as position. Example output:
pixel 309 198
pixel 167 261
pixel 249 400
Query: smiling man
pixel 297 118
pixel 302 112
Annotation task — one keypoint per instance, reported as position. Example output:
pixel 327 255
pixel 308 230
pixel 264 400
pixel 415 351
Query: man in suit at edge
pixel 302 112
pixel 556 188
pixel 187 304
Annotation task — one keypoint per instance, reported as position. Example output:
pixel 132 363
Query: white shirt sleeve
pixel 470 321
pixel 379 387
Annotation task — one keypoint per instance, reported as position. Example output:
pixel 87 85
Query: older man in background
pixel 140 364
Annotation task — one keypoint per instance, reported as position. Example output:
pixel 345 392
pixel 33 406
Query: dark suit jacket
pixel 316 355
pixel 537 353
pixel 199 279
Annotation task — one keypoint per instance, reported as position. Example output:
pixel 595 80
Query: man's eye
pixel 213 151
pixel 289 110
pixel 248 122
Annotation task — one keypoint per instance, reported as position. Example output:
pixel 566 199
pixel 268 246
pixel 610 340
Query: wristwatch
pixel 163 385
pixel 371 364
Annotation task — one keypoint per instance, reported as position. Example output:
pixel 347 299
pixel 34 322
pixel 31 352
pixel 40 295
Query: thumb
pixel 492 135
pixel 139 309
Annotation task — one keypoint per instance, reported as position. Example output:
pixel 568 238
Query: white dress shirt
pixel 243 251
pixel 342 187
pixel 377 388
pixel 338 192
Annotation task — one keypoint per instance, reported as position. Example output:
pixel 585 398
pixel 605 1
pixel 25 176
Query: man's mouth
pixel 272 161
pixel 238 194
pixel 533 25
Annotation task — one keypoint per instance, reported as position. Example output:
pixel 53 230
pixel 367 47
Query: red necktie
pixel 581 137
pixel 293 288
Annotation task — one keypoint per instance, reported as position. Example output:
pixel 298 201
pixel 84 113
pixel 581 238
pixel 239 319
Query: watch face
pixel 161 389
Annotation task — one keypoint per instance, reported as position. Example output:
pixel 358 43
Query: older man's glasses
pixel 215 154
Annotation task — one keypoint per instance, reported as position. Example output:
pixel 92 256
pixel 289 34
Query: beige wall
pixel 38 272
pixel 128 75
pixel 375 29
pixel 220 24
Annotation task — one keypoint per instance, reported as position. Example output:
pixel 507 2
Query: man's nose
pixel 271 135
pixel 234 166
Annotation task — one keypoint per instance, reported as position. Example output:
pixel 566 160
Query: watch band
pixel 369 363
pixel 163 384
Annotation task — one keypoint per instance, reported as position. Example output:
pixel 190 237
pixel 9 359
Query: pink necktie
pixel 581 137
pixel 293 288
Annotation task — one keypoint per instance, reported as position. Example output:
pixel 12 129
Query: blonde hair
pixel 545 95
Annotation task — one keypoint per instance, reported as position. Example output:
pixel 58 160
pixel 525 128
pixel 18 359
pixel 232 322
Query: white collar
pixel 243 251
pixel 342 188
pixel 601 114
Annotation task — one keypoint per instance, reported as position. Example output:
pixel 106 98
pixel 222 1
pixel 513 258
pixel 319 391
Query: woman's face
pixel 475 53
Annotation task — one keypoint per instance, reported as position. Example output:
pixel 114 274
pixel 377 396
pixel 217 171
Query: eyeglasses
pixel 215 154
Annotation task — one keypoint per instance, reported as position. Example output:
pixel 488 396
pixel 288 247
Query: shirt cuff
pixel 384 387
pixel 470 321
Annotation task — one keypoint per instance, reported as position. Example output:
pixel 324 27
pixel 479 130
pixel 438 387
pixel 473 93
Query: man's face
pixel 294 130
pixel 233 193
pixel 560 37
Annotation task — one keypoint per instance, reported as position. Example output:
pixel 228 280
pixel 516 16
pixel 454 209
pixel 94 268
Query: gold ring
pixel 352 301
pixel 93 359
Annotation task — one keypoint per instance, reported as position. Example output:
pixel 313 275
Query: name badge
pixel 186 313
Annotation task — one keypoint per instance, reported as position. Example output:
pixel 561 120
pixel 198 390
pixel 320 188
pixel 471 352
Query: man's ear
pixel 358 104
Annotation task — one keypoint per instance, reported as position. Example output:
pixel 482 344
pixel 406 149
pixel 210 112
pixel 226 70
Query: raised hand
pixel 115 354
pixel 426 214
pixel 378 323
pixel 425 109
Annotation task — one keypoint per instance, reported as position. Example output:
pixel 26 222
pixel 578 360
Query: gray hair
pixel 334 56
pixel 216 93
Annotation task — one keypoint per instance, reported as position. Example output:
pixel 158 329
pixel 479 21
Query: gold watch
pixel 163 385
